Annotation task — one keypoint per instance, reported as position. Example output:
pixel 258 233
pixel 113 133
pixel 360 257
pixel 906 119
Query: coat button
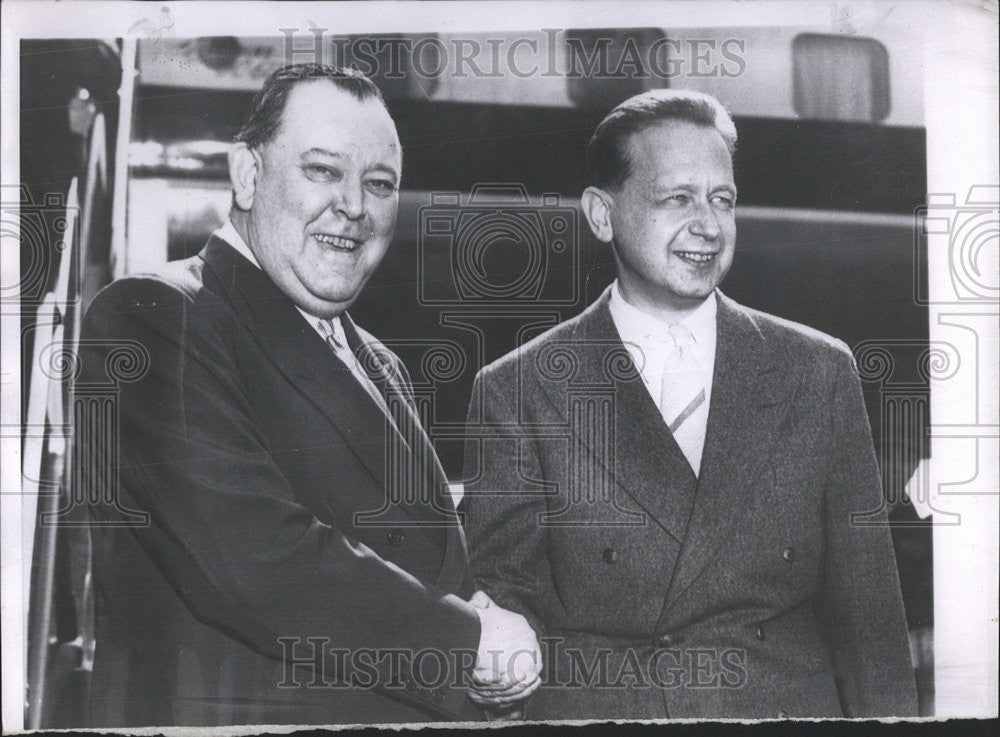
pixel 396 537
pixel 610 556
pixel 666 640
pixel 788 554
pixel 759 632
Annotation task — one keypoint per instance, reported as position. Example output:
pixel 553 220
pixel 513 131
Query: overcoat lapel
pixel 445 525
pixel 647 463
pixel 304 358
pixel 751 392
pixel 399 395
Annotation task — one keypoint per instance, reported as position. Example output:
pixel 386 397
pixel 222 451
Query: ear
pixel 596 204
pixel 243 167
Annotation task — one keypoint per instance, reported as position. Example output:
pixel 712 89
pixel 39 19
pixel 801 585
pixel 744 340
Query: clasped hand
pixel 509 664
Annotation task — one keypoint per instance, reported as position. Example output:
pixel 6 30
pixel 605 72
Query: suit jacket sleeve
pixel 507 544
pixel 860 605
pixel 225 528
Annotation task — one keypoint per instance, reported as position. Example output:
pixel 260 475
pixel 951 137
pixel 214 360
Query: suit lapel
pixel 378 364
pixel 751 390
pixel 300 354
pixel 647 463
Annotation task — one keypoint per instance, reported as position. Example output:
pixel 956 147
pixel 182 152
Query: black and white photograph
pixel 477 364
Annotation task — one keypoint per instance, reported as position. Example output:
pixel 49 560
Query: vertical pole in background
pixel 48 468
pixel 31 466
pixel 119 202
pixel 44 456
pixel 96 182
pixel 96 179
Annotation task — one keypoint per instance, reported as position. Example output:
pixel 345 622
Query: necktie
pixel 347 357
pixel 682 395
pixel 412 467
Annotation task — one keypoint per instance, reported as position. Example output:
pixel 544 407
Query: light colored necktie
pixel 682 395
pixel 347 357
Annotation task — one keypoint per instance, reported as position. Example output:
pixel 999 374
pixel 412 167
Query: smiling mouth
pixel 693 257
pixel 337 242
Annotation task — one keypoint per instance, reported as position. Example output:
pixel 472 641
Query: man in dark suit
pixel 273 537
pixel 664 485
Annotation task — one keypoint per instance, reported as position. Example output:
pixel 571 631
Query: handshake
pixel 509 665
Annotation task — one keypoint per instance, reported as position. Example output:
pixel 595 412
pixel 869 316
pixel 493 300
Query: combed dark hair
pixel 608 164
pixel 269 103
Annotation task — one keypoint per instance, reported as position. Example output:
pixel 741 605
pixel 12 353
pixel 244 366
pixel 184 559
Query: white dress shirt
pixel 647 340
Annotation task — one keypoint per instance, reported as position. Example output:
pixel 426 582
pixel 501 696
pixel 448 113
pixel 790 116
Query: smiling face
pixel 317 203
pixel 672 222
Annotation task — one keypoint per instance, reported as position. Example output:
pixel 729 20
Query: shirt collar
pixel 634 325
pixel 230 235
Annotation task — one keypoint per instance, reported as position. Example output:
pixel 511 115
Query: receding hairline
pixel 674 105
pixel 608 160
pixel 635 130
pixel 363 101
pixel 627 142
pixel 265 116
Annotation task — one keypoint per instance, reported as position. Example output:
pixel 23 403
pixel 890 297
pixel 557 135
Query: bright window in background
pixel 840 78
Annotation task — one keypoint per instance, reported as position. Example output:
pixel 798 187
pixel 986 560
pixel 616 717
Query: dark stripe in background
pixel 452 146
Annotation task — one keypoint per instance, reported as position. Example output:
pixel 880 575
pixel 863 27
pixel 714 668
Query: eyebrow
pixel 318 151
pixel 322 152
pixel 687 186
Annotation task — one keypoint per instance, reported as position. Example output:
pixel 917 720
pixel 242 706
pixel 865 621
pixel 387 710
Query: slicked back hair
pixel 608 164
pixel 264 120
